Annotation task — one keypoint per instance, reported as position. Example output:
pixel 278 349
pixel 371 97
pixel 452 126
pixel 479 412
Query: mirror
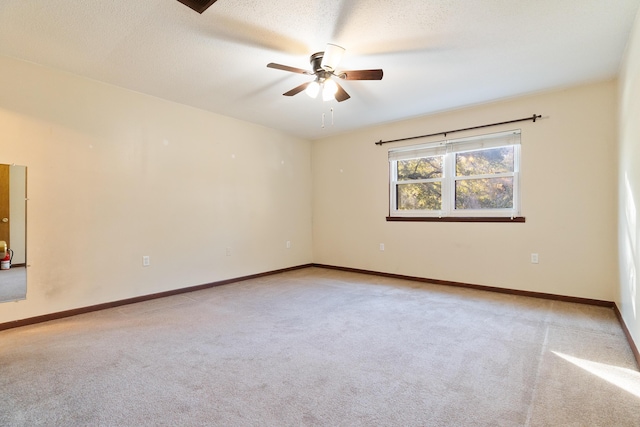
pixel 13 231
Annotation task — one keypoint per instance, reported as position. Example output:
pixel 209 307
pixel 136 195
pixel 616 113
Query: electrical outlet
pixel 146 261
pixel 534 259
pixel 288 244
pixel 382 246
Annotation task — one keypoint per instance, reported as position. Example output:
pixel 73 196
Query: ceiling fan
pixel 198 5
pixel 323 67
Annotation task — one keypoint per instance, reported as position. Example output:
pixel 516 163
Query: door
pixel 4 204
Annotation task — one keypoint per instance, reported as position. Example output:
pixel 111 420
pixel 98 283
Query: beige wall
pixel 628 297
pixel 115 175
pixel 568 198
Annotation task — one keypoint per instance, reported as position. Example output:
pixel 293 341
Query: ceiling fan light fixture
pixel 323 68
pixel 329 90
pixel 332 56
pixel 312 89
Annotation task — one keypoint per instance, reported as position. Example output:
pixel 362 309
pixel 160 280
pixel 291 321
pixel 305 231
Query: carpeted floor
pixel 13 284
pixel 318 347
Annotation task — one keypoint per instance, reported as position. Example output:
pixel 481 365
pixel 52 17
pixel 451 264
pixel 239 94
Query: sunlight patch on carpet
pixel 624 378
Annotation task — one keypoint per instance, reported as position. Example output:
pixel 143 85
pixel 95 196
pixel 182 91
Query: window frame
pixel 448 149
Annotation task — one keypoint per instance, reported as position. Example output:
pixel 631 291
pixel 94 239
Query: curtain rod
pixel 534 117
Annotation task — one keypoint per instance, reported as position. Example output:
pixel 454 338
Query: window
pixel 467 177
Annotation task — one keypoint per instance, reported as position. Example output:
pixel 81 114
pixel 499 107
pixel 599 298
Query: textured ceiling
pixel 436 55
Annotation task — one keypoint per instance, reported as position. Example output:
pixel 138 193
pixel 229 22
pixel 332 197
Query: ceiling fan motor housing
pixel 316 62
pixel 316 65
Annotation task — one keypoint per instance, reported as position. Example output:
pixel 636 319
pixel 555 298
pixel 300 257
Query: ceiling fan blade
pixel 361 75
pixel 341 94
pixel 198 5
pixel 296 90
pixel 287 68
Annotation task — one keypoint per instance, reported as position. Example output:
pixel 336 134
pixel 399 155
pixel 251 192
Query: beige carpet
pixel 322 347
pixel 13 284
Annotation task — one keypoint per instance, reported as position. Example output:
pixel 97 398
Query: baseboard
pixel 632 344
pixel 97 307
pixel 103 306
pixel 555 297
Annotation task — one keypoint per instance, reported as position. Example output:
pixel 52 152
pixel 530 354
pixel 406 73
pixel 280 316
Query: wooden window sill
pixel 455 219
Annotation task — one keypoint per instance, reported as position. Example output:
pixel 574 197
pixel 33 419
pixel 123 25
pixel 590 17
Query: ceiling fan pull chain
pixel 331 116
pixel 322 120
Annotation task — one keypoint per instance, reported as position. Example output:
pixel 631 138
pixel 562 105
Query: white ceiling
pixel 436 55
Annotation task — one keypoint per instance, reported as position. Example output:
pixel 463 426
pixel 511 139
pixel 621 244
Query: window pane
pixel 489 193
pixel 485 162
pixel 422 168
pixel 423 196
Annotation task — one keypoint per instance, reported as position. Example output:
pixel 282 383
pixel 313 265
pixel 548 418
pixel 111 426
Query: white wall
pixel 115 175
pixel 628 297
pixel 568 199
